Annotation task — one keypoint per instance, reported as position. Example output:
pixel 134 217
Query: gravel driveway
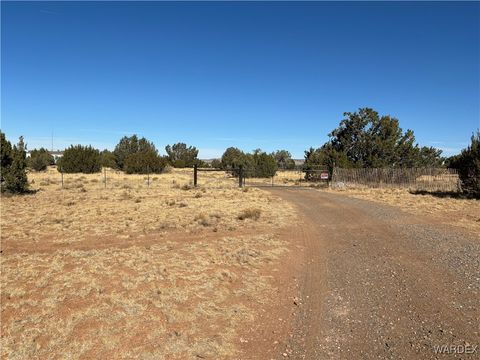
pixel 383 284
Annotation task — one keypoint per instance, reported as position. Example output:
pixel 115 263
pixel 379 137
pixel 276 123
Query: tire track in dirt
pixel 374 287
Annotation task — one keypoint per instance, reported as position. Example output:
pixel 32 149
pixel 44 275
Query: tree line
pixel 362 139
pixel 135 155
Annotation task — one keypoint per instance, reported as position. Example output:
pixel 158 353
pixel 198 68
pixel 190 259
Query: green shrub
pixel 80 159
pixel 265 165
pixel 107 159
pixel 180 155
pixel 5 155
pixel 144 163
pixel 180 163
pixel 203 164
pixel 232 158
pixel 13 166
pixel 138 156
pixel 284 160
pixel 40 159
pixel 216 164
pixel 468 166
pixel 258 164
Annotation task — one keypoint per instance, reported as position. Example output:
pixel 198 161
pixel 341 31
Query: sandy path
pixel 382 284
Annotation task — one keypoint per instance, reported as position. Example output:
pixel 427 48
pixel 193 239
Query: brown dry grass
pixel 286 178
pixel 168 300
pixel 130 271
pixel 84 208
pixel 454 211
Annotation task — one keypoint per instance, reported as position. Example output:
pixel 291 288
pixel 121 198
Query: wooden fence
pixel 417 179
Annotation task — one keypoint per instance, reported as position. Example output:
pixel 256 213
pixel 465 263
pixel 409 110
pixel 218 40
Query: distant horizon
pixel 42 143
pixel 269 75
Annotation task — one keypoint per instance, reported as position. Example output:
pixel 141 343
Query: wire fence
pixel 111 179
pixel 416 179
pixel 215 178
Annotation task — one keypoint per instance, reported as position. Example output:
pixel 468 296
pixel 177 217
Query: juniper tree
pixel 468 165
pixel 14 175
pixel 40 159
pixel 180 155
pixel 366 139
pixel 80 159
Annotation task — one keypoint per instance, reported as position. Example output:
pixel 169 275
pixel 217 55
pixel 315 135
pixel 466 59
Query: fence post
pixel 240 176
pixel 105 177
pixel 195 175
pixel 148 176
pixel 62 178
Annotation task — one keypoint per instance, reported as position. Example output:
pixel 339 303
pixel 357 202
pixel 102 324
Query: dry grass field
pixel 455 211
pixel 164 271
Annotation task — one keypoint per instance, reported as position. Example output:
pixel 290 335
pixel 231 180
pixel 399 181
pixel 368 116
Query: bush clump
pixel 252 213
pixel 80 159
pixel 180 155
pixel 13 174
pixel 138 156
pixel 258 164
pixel 144 163
pixel 40 159
pixel 468 165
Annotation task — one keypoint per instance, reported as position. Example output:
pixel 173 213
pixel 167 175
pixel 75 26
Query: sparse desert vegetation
pixel 208 180
pixel 129 208
pixel 158 270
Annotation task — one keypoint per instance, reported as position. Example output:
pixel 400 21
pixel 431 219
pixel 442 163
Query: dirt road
pixel 382 284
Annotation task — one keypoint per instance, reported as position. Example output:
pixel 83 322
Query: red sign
pixel 324 176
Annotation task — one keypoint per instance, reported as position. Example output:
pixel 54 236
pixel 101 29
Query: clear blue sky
pixel 252 75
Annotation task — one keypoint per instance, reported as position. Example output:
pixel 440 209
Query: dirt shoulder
pixel 381 283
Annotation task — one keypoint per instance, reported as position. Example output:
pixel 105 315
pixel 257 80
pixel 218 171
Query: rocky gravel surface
pixel 383 284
